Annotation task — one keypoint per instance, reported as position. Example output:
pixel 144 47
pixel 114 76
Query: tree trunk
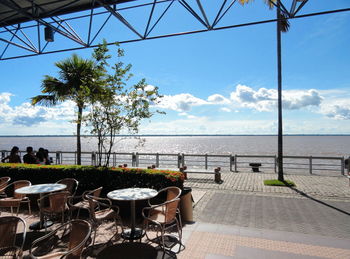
pixel 279 79
pixel 80 114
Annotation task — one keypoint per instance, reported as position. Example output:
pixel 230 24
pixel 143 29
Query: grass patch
pixel 275 182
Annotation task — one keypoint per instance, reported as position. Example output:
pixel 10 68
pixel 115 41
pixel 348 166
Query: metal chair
pixel 101 209
pixel 16 199
pixel 8 231
pixel 72 185
pixel 3 183
pixel 83 202
pixel 165 216
pixel 57 205
pixel 48 245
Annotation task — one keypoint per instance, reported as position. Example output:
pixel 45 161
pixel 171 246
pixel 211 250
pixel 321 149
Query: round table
pixel 41 189
pixel 132 195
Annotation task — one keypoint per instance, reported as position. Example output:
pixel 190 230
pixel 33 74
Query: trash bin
pixel 186 206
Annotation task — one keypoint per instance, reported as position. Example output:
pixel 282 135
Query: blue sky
pixel 218 82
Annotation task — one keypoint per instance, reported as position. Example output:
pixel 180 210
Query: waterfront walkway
pixel 242 218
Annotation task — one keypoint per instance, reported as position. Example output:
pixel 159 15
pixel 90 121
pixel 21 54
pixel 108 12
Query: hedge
pixel 91 177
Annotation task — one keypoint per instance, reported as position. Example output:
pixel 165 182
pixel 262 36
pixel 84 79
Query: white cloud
pixel 225 109
pixel 180 102
pixel 218 99
pixel 266 99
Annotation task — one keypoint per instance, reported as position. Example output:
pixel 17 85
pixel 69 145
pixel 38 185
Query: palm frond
pixel 46 100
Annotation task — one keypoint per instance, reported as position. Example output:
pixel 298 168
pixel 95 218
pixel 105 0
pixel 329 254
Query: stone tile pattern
pixel 301 215
pixel 322 186
pixel 201 244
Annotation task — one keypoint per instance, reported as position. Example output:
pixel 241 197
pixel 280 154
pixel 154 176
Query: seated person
pixel 40 155
pixel 13 157
pixel 30 158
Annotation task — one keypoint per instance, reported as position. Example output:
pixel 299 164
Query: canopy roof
pixel 21 11
pixel 35 27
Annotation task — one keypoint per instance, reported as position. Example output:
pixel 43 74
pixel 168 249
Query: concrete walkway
pixel 242 218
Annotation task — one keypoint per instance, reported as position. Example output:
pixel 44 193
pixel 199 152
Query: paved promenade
pixel 242 218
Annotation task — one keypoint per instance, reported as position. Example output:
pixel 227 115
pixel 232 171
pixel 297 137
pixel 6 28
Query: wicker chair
pixel 101 209
pixel 165 216
pixel 72 185
pixel 50 245
pixel 8 231
pixel 57 205
pixel 82 203
pixel 3 183
pixel 16 199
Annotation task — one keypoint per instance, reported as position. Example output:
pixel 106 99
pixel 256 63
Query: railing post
pixel 342 169
pixel 58 158
pixel 2 154
pixel 349 165
pixel 235 163
pixel 137 159
pixel 206 161
pixel 133 159
pixel 114 155
pixel 232 159
pixel 275 167
pixel 183 159
pixel 157 160
pixel 179 160
pixel 310 164
pixel 93 158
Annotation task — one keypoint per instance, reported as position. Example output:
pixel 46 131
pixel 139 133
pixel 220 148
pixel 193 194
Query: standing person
pixel 48 159
pixel 30 158
pixel 13 157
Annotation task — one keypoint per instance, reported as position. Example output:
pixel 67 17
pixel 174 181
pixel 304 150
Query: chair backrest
pixel 96 192
pixel 173 192
pixel 8 230
pixel 20 184
pixel 4 181
pixel 58 201
pixel 171 209
pixel 72 184
pixel 79 234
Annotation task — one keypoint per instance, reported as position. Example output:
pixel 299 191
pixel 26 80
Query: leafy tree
pixel 118 108
pixel 78 81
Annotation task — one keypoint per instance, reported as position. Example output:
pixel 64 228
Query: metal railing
pixel 233 163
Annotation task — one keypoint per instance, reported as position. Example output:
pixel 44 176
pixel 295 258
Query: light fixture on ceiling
pixel 49 34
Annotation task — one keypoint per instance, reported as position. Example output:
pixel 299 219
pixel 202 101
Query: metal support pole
pixel 137 159
pixel 279 79
pixel 133 159
pixel 183 159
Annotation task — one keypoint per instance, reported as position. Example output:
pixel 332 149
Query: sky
pixel 217 82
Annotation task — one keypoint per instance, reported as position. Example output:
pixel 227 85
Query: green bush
pixel 91 177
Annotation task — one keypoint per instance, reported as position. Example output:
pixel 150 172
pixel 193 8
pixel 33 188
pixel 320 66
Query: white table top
pixel 132 194
pixel 41 188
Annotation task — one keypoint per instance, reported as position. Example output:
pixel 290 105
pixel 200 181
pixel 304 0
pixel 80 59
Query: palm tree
pixel 77 82
pixel 282 26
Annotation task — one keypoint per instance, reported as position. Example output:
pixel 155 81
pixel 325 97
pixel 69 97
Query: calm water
pixel 253 145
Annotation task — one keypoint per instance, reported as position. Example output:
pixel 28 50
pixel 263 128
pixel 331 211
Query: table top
pixel 132 194
pixel 41 188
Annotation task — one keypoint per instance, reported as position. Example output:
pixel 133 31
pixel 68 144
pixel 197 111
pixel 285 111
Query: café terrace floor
pixel 242 218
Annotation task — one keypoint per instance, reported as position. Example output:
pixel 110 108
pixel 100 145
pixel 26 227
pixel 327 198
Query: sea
pixel 294 145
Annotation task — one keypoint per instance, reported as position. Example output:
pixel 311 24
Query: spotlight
pixel 49 34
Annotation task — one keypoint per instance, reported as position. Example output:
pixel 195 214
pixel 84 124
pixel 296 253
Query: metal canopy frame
pixel 19 18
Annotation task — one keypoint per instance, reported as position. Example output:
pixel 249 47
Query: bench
pixel 255 166
pixel 215 171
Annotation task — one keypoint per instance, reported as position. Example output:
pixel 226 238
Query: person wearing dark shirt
pixel 30 158
pixel 13 157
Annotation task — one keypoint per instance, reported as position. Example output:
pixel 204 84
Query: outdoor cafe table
pixel 41 189
pixel 132 195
